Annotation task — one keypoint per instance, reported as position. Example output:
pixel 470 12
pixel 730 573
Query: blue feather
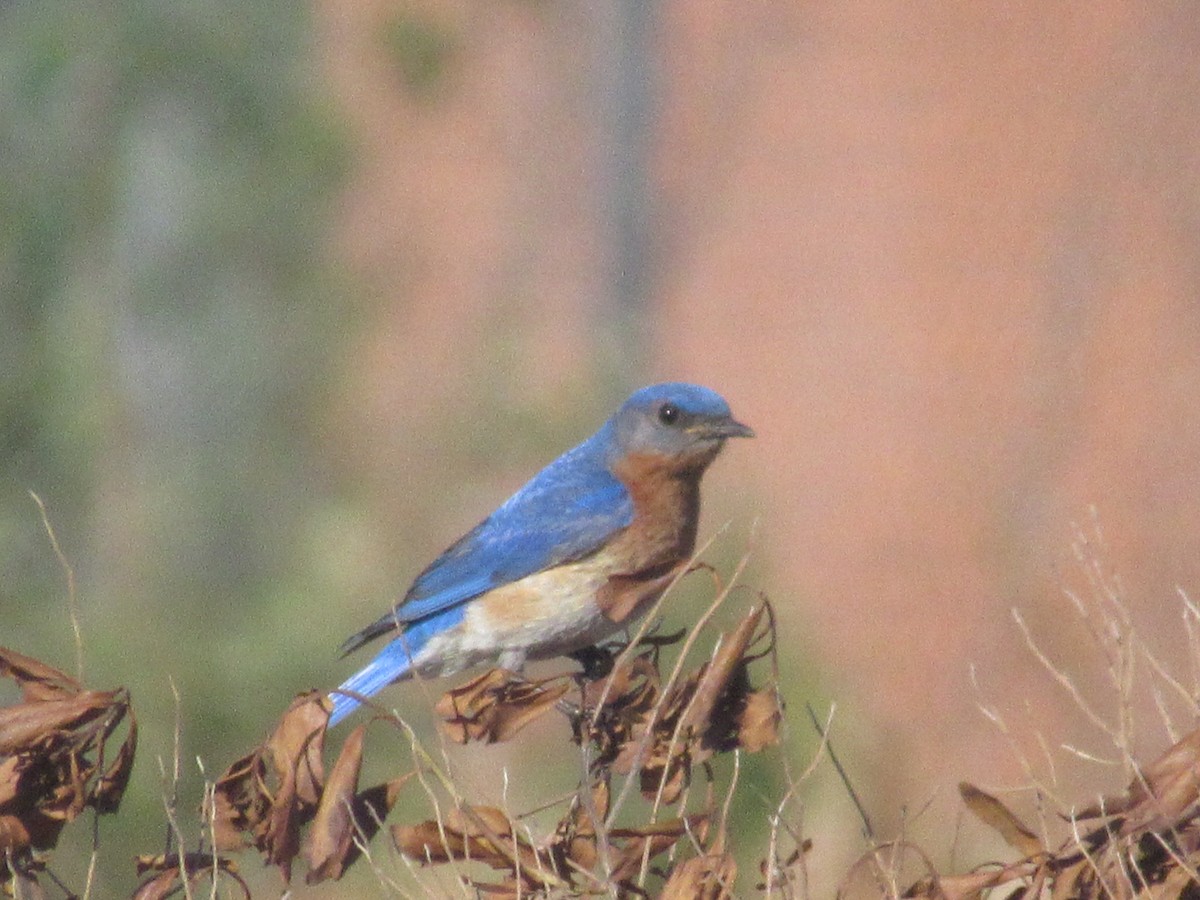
pixel 567 511
pixel 392 662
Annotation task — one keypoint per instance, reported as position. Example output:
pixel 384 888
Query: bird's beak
pixel 726 428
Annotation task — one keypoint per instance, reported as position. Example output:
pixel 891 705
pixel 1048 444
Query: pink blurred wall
pixel 945 258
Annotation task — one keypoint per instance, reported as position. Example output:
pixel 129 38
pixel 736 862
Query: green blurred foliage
pixel 170 324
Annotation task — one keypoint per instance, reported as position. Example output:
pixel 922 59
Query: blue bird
pixel 574 556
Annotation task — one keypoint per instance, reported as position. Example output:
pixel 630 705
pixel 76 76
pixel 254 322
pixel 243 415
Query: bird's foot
pixel 597 662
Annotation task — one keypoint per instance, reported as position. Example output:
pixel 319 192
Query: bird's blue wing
pixel 570 509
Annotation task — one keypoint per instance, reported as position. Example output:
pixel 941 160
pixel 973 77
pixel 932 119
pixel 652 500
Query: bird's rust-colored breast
pixel 666 500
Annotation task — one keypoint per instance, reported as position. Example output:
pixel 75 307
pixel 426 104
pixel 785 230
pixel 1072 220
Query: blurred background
pixel 290 296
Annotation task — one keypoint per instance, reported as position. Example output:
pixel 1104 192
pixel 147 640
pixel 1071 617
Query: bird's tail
pixel 391 664
pixel 394 661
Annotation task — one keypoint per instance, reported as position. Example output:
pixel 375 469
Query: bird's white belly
pixel 542 615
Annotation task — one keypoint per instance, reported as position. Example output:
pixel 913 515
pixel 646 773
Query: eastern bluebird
pixel 571 558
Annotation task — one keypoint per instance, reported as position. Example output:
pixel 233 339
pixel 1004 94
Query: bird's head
pixel 675 419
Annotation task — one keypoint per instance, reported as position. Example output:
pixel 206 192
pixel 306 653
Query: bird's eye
pixel 668 414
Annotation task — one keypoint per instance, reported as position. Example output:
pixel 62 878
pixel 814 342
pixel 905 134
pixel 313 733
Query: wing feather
pixel 567 511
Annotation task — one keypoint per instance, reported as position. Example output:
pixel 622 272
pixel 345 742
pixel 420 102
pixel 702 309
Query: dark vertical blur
pixel 626 74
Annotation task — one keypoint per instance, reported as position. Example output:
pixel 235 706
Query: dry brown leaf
pixel 632 844
pixel 629 694
pixel 759 720
pixel 1161 797
pixel 272 802
pixel 711 710
pixel 38 681
pixel 10 777
pixel 664 764
pixel 427 843
pixel 52 745
pixel 738 716
pixel 241 802
pixel 1178 880
pixel 14 834
pixel 667 774
pixel 162 885
pixel 1168 790
pixel 710 690
pixel 343 812
pixel 297 743
pixel 28 723
pixel 971 885
pixel 481 834
pixel 168 877
pixel 288 815
pixel 295 750
pixel 332 833
pixel 111 787
pixel 1067 881
pixel 509 889
pixel 626 716
pixel 709 877
pixel 371 807
pixel 633 683
pixel 1001 819
pixel 1180 758
pixel 269 796
pixel 574 840
pixel 496 705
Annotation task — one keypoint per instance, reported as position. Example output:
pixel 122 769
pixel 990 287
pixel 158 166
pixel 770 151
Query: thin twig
pixel 72 599
pixel 868 828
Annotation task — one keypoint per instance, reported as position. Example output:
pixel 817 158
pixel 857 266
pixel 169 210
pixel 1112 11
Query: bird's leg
pixel 513 659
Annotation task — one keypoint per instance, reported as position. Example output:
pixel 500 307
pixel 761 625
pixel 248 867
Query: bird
pixel 578 553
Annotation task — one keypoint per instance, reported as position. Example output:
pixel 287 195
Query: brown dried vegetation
pixel 1143 844
pixel 56 759
pixel 630 723
pixel 269 796
pixel 649 816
